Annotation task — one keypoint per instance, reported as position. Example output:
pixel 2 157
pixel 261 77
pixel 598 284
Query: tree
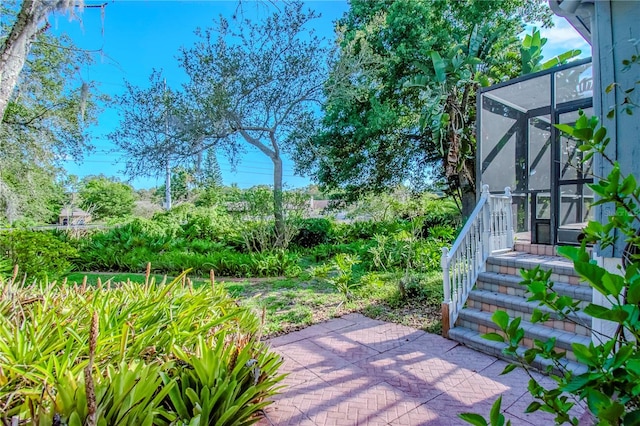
pixel 182 184
pixel 382 126
pixel 154 129
pixel 106 198
pixel 208 181
pixel 43 122
pixel 16 46
pixel 257 83
pixel 209 173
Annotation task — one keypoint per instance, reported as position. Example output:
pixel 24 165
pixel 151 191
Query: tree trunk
pixel 468 200
pixel 14 50
pixel 278 207
pixel 466 180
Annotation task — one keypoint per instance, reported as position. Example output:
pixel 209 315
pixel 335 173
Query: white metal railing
pixel 489 229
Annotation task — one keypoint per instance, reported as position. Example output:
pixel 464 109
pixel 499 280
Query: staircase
pixel 498 288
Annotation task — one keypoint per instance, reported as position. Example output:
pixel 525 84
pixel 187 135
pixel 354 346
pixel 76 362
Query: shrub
pixel 324 252
pixel 208 224
pixel 134 354
pixel 254 236
pixel 405 249
pixel 38 254
pixel 127 248
pixel 275 263
pixel 435 211
pixel 365 230
pixel 313 232
pixel 342 276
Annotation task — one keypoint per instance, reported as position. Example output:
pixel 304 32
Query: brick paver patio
pixel 359 371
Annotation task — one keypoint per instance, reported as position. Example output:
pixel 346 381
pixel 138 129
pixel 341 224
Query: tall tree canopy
pixel 106 198
pixel 251 84
pixel 15 47
pixel 259 82
pixel 400 99
pixel 156 129
pixel 44 121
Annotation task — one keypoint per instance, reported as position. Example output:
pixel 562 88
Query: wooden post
pixel 445 320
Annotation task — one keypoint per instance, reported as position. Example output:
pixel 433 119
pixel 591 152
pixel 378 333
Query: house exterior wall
pixel 615 25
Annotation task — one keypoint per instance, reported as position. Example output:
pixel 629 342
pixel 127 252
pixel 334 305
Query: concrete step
pixel 527 247
pixel 512 262
pixel 473 339
pixel 481 323
pixel 543 249
pixel 516 306
pixel 510 284
pixel 499 288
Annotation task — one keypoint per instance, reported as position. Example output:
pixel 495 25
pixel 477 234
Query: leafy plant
pixel 343 278
pixel 223 384
pixel 313 232
pixel 531 54
pixel 38 254
pixel 129 355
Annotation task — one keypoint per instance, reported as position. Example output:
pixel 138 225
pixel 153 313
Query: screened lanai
pixel 518 147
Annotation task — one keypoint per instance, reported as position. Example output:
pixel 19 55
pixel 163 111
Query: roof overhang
pixel 577 12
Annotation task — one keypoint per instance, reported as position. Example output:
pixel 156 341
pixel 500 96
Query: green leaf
pixel 577 254
pixel 565 128
pixel 597 311
pixel 536 316
pixel 592 274
pixel 613 283
pixel 584 354
pixel 632 418
pixel 577 383
pixel 494 337
pixel 74 419
pixel 633 293
pixel 599 135
pixel 483 80
pixel 439 67
pixel 501 319
pixel 621 356
pixel 533 407
pixel 629 185
pixel 612 412
pixel 473 418
pixel 495 410
pixel 508 369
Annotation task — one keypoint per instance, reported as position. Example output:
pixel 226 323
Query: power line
pixel 221 169
pixel 238 169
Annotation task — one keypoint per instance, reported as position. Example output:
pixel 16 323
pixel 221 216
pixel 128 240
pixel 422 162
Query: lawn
pixel 289 304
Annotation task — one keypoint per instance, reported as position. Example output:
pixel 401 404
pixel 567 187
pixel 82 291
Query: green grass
pixel 92 277
pixel 292 303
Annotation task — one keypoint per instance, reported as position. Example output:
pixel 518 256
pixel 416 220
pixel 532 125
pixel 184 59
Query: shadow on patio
pixel 358 371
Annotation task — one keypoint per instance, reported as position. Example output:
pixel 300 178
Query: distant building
pixel 317 206
pixel 73 216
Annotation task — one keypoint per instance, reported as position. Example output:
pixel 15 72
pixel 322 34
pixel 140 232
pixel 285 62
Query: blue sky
pixel 137 36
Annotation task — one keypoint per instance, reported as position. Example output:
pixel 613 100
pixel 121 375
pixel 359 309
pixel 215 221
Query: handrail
pixel 489 229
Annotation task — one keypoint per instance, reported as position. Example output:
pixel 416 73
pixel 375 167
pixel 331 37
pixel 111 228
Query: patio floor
pixel 358 371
